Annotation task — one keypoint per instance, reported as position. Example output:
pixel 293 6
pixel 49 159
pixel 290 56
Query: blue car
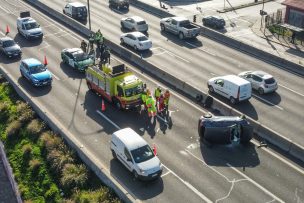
pixel 35 72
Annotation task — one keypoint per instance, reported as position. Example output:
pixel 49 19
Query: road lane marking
pixel 280 158
pixel 255 183
pixel 55 76
pixel 6 10
pixel 165 174
pixel 291 90
pixel 109 120
pixel 206 199
pixel 176 56
pixel 204 50
pixel 268 102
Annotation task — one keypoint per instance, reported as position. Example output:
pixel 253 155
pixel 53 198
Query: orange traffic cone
pixel 154 150
pixel 7 29
pixel 45 62
pixel 103 106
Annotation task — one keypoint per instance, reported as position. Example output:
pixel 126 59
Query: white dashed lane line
pixel 302 95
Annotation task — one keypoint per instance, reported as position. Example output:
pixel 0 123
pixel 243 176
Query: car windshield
pixel 142 154
pixel 8 43
pixel 37 69
pixel 32 25
pixel 184 23
pixel 141 22
pixel 80 56
pixel 81 9
pixel 143 38
pixel 134 91
pixel 269 81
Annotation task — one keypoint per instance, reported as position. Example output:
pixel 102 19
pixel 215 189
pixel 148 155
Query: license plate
pixel 44 83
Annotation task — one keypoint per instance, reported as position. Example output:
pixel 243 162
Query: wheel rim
pixel 261 91
pixel 162 27
pixel 118 104
pixel 121 40
pixel 211 89
pixel 135 47
pixel 232 100
pixel 181 36
pixel 135 174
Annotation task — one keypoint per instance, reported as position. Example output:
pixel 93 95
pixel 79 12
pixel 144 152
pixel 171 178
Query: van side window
pixel 120 91
pixel 127 154
pixel 219 83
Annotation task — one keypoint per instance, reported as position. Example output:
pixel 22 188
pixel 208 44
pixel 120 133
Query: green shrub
pixel 34 166
pixel 53 194
pixel 74 176
pixel 57 159
pixel 24 112
pixel 101 195
pixel 49 141
pixel 35 127
pixel 4 113
pixel 24 191
pixel 13 129
pixel 27 150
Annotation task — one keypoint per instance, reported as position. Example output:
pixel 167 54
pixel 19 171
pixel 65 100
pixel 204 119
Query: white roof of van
pixel 130 138
pixel 235 79
pixel 76 4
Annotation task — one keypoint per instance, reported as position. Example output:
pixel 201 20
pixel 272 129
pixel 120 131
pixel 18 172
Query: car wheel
pixel 135 175
pixel 122 25
pixel 117 7
pixel 63 11
pixel 162 27
pixel 232 100
pixel 211 90
pixel 122 41
pixel 22 74
pixel 261 90
pixel 135 48
pixel 181 35
pixel 90 87
pixel 114 154
pixel 117 104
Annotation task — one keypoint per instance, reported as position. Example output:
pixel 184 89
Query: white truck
pixel 180 26
pixel 28 27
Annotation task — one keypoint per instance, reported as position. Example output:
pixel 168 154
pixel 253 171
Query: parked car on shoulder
pixel 76 58
pixel 9 47
pixel 134 23
pixel 232 87
pixel 135 154
pixel 216 22
pixel 118 4
pixel 36 72
pixel 224 129
pixel 137 40
pixel 28 27
pixel 76 10
pixel 260 81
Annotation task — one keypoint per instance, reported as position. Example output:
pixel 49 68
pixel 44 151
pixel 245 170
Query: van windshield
pixel 30 26
pixel 134 90
pixel 142 154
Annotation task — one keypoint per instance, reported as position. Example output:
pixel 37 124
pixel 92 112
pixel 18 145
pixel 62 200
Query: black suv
pixel 9 47
pixel 119 4
pixel 216 22
pixel 224 129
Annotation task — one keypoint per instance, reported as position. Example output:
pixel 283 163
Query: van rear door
pixel 244 91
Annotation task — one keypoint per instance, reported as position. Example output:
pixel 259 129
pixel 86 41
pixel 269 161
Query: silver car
pixel 260 81
pixel 134 23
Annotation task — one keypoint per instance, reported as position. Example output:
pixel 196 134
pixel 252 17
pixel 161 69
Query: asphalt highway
pixel 192 172
pixel 196 61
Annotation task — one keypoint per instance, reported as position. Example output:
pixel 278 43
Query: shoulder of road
pixel 252 34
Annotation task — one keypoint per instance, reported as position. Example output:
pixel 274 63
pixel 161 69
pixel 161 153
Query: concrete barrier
pixel 151 9
pixel 261 131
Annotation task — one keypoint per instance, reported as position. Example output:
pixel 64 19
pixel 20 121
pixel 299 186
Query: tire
pixel 162 27
pixel 122 41
pixel 232 100
pixel 117 104
pixel 261 91
pixel 114 154
pixel 117 7
pixel 135 48
pixel 181 35
pixel 18 31
pixel 90 87
pixel 211 90
pixel 122 25
pixel 22 74
pixel 63 11
pixel 135 175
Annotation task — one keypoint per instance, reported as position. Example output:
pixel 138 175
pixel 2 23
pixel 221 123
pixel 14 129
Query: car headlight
pixel 141 171
pixel 35 80
pixel 8 52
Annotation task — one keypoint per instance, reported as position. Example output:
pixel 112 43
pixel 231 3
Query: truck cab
pixel 28 27
pixel 76 10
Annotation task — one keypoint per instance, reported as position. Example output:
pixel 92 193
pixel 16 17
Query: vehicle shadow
pixel 71 72
pixel 140 189
pixel 274 98
pixel 142 54
pixel 33 91
pixel 245 107
pixel 121 11
pixel 22 42
pixel 188 43
pixel 237 155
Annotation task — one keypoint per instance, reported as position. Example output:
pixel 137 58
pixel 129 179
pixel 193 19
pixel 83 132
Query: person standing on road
pixel 166 100
pixel 150 103
pixel 157 93
pixel 98 38
pixel 293 37
pixel 161 104
pixel 91 41
pixel 83 46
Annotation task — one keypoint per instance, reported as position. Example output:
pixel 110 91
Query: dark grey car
pixel 9 47
pixel 118 4
pixel 214 22
pixel 224 129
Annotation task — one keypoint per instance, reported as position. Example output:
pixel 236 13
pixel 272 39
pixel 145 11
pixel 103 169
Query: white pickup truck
pixel 180 26
pixel 28 27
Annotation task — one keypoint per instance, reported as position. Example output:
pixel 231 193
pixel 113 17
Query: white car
pixel 137 40
pixel 134 23
pixel 260 81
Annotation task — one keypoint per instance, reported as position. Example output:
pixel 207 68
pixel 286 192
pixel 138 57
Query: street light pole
pixel 88 1
pixel 262 16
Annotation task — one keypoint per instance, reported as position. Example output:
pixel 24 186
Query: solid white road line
pixel 255 183
pixel 204 50
pixel 55 76
pixel 174 55
pixel 110 121
pixel 268 102
pixel 165 174
pixel 291 90
pixel 6 10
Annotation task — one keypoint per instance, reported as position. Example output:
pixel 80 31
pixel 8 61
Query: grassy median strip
pixel 45 168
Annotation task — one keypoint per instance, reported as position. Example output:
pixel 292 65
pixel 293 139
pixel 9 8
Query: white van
pixel 135 154
pixel 232 87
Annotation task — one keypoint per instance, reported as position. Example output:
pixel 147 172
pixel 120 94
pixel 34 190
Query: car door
pixel 128 23
pixel 26 70
pixel 1 46
pixel 71 60
pixel 173 26
pixel 127 159
pixel 256 80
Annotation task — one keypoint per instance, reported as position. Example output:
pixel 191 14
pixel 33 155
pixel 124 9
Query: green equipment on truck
pixel 116 84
